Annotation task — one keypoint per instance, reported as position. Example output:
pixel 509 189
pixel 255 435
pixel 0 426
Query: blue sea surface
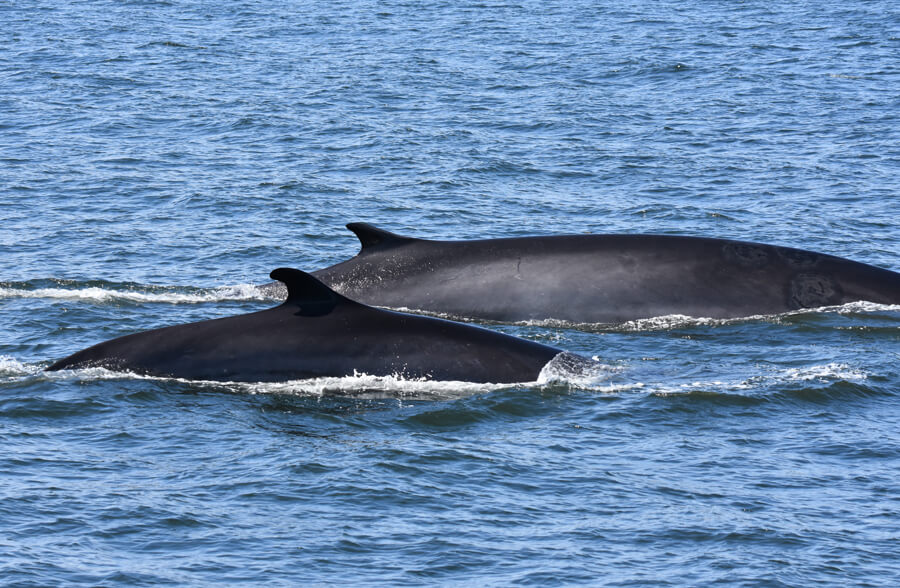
pixel 158 159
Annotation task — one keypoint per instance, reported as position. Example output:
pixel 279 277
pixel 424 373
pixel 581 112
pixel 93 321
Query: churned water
pixel 159 158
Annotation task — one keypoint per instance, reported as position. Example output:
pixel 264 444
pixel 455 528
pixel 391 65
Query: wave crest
pixel 13 368
pixel 167 295
pixel 824 375
pixel 677 321
pixel 576 371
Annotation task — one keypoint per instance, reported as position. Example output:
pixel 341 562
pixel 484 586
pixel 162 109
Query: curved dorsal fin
pixel 312 296
pixel 371 236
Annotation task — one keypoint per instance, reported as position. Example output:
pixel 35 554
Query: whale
pixel 597 278
pixel 317 332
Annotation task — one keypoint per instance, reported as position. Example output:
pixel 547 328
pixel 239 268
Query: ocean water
pixel 158 159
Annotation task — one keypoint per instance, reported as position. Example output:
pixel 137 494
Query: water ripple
pixel 160 157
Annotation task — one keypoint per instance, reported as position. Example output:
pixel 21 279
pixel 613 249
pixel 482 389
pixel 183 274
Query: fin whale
pixel 598 278
pixel 317 332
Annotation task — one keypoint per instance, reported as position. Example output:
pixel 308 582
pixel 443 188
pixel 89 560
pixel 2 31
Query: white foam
pixel 665 322
pixel 675 321
pixel 367 385
pixel 826 373
pixel 576 371
pixel 11 367
pixel 435 314
pixel 861 306
pixel 358 384
pixel 566 368
pixel 97 294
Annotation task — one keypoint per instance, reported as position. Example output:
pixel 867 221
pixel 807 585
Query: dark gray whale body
pixel 599 278
pixel 318 333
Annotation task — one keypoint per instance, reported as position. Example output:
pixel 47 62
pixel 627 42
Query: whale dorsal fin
pixel 371 236
pixel 312 296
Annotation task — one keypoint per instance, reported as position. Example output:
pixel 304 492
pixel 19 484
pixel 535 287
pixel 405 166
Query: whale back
pixel 600 278
pixel 317 332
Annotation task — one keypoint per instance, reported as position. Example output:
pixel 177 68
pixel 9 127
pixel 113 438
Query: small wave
pixel 857 307
pixel 13 368
pixel 657 323
pixel 370 386
pixel 441 315
pixel 169 295
pixel 359 384
pixel 825 373
pixel 677 321
pixel 822 374
pixel 566 369
pixel 576 371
